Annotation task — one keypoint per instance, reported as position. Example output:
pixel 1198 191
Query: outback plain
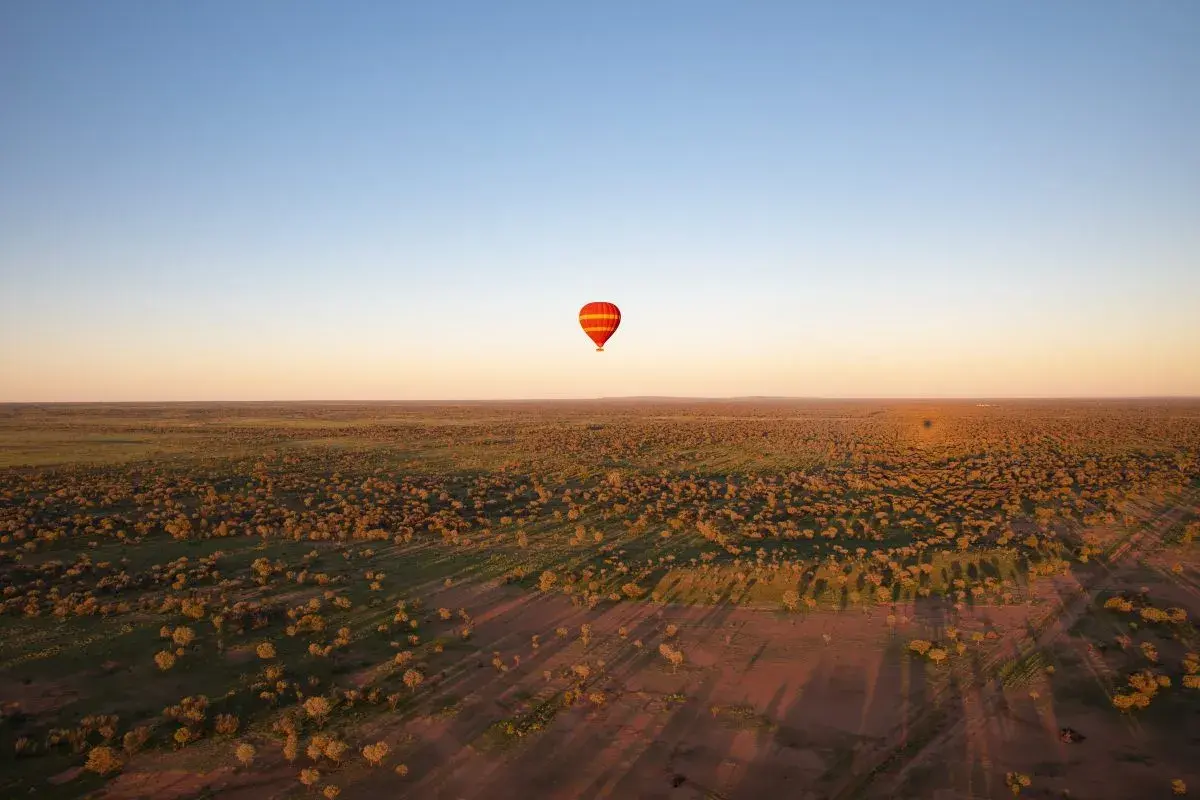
pixel 624 599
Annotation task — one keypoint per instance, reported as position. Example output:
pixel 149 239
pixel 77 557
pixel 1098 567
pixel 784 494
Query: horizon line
pixel 609 399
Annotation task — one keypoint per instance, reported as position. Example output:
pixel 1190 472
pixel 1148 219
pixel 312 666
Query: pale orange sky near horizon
pixel 637 361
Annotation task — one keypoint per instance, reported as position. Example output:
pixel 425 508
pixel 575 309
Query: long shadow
pixel 553 759
pixel 939 721
pixel 470 677
pixel 804 753
pixel 557 762
pixel 933 613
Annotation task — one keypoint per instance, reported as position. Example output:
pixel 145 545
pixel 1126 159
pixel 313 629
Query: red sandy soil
pixel 810 705
pixel 806 706
pixel 224 782
pixel 39 698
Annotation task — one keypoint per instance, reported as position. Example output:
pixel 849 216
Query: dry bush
pixel 1016 781
pixel 245 753
pixel 674 656
pixel 336 750
pixel 103 760
pixel 135 739
pixel 318 708
pixel 316 747
pixel 375 753
pixel 791 600
pixel 226 724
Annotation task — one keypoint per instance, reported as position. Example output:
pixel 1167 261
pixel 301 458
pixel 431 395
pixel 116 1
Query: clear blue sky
pixel 281 200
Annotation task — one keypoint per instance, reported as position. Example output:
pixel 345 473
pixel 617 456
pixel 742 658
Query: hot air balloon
pixel 599 322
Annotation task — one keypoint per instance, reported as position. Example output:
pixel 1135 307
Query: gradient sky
pixel 411 200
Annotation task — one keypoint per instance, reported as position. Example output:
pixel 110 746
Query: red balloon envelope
pixel 599 322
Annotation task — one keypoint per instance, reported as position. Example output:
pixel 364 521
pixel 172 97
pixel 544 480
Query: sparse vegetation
pixel 245 754
pixel 297 579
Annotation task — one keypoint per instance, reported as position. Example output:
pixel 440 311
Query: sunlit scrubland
pixel 287 593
